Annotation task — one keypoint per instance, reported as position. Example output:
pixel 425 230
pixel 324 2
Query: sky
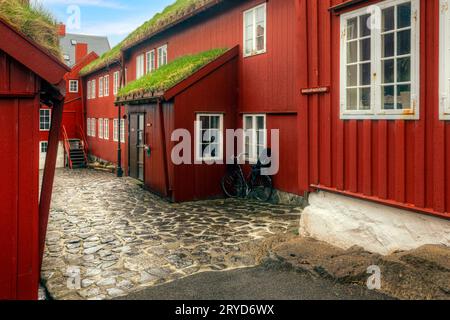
pixel 112 18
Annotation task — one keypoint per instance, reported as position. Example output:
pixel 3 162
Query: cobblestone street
pixel 108 237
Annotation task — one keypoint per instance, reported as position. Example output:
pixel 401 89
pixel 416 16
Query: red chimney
pixel 81 50
pixel 61 30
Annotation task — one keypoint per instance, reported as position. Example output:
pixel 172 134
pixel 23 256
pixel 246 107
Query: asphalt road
pixel 259 283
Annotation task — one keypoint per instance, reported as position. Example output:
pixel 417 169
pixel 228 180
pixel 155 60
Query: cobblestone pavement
pixel 108 237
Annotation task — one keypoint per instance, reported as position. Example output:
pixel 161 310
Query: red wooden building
pixel 29 76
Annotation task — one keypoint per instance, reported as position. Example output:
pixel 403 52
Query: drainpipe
pixel 119 147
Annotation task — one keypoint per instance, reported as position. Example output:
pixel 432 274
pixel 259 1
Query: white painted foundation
pixel 345 222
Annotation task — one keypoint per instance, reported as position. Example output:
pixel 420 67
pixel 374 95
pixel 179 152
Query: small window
pixel 116 130
pixel 73 42
pixel 66 57
pixel 88 127
pixel 93 127
pixel 444 61
pixel 122 130
pixel 44 146
pixel 139 66
pixel 93 93
pixel 116 84
pixel 255 31
pixel 151 61
pixel 255 136
pixel 100 87
pixel 106 129
pixel 44 119
pixel 106 86
pixel 162 56
pixel 209 137
pixel 88 90
pixel 100 128
pixel 73 86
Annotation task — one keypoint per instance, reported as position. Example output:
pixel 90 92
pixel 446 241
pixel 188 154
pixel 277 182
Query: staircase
pixel 76 151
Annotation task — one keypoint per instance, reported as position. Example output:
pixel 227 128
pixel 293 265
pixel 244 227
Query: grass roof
pixel 170 14
pixel 34 21
pixel 171 74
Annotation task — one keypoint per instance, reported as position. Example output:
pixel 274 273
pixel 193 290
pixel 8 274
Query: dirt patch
pixel 423 273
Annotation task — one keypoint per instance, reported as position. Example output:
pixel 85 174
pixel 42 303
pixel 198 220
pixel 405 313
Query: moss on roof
pixel 171 74
pixel 34 21
pixel 170 14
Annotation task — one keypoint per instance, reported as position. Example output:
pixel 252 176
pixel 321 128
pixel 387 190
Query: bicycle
pixel 235 185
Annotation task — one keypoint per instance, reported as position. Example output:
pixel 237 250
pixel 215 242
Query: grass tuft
pixel 34 21
pixel 171 74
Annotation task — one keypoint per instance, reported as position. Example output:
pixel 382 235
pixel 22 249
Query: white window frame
pixel 100 128
pixel 41 143
pixel 140 66
pixel 444 60
pixel 93 127
pixel 122 130
pixel 376 112
pixel 106 86
pixel 252 11
pixel 100 87
pixel 116 84
pixel 88 127
pixel 162 56
pixel 198 138
pixel 115 130
pixel 75 83
pixel 49 121
pixel 93 89
pixel 106 129
pixel 252 155
pixel 88 90
pixel 150 57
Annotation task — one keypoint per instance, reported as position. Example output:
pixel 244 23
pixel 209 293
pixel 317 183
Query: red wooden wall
pixel 398 162
pixel 19 154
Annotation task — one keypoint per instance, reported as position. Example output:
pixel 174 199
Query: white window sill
pixel 253 54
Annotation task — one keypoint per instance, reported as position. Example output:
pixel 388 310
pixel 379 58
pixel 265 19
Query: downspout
pixel 49 174
pixel 164 147
pixel 119 129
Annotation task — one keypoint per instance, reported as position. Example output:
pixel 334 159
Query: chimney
pixel 61 30
pixel 81 50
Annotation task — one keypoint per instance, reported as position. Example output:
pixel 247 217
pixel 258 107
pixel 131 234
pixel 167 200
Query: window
pixel 44 119
pixel 139 66
pixel 66 57
pixel 106 88
pixel 116 84
pixel 88 127
pixel 122 130
pixel 255 31
pixel 100 128
pixel 100 87
pixel 162 56
pixel 73 86
pixel 209 139
pixel 106 129
pixel 444 83
pixel 93 128
pixel 88 90
pixel 44 146
pixel 380 65
pixel 93 89
pixel 116 130
pixel 255 136
pixel 151 61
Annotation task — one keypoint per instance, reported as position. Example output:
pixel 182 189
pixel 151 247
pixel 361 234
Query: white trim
pixel 49 117
pixel 376 111
pixel 93 127
pixel 252 156
pixel 93 89
pixel 106 129
pixel 254 50
pixel 122 130
pixel 106 86
pixel 70 86
pixel 162 55
pixel 198 140
pixel 140 66
pixel 150 65
pixel 100 87
pixel 116 84
pixel 115 130
pixel 100 128
pixel 40 147
pixel 444 61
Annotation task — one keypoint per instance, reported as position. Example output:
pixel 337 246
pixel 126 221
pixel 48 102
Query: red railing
pixel 66 145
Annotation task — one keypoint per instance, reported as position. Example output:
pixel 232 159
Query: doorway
pixel 137 133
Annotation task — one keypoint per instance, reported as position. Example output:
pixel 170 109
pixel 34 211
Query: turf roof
pixel 169 75
pixel 170 14
pixel 33 21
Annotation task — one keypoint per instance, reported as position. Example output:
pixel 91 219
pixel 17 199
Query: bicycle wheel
pixel 232 184
pixel 262 188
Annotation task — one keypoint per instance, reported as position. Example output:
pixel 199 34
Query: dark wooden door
pixel 137 133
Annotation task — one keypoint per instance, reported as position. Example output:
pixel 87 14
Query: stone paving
pixel 108 237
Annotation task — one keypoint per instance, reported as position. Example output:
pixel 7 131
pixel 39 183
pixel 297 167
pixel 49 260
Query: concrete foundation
pixel 345 222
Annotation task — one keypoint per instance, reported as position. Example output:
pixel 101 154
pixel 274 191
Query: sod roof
pixel 33 21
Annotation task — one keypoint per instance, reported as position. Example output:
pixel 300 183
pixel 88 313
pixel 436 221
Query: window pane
pixel 364 25
pixel 248 46
pixel 215 122
pixel 365 74
pixel 404 42
pixel 248 123
pixel 404 15
pixel 388 71
pixel 204 122
pixel 260 123
pixel 388 98
pixel 404 96
pixel 352 29
pixel 249 19
pixel 352 99
pixel 404 69
pixel 249 33
pixel 388 19
pixel 260 43
pixel 260 15
pixel 352 76
pixel 352 52
pixel 388 45
pixel 365 50
pixel 364 99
